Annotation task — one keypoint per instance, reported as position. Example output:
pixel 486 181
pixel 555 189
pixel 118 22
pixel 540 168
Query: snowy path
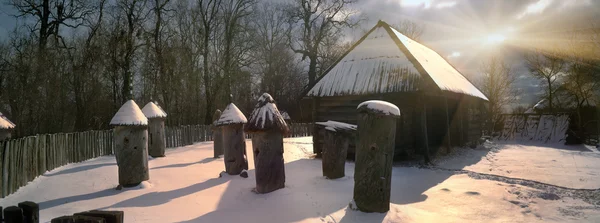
pixel 184 187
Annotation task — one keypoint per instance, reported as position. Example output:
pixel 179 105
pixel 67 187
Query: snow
pixel 285 115
pixel 151 110
pixel 333 126
pixel 542 104
pixel 375 65
pixel 5 123
pixel 129 114
pixel 443 74
pixel 384 107
pixel 231 115
pixel 266 116
pixel 184 186
pixel 576 166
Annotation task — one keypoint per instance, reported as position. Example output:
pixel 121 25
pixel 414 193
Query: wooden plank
pixel 3 148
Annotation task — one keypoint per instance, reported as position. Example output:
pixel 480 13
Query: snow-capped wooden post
pixel 6 127
pixel 374 155
pixel 131 144
pixel 335 148
pixel 156 129
pixel 217 135
pixel 232 122
pixel 268 128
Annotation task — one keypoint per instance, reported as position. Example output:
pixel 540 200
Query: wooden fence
pixel 24 159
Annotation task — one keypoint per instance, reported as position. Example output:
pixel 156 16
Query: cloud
pixel 442 5
pixel 416 3
pixel 535 8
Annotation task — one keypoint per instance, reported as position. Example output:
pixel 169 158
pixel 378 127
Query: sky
pixel 467 32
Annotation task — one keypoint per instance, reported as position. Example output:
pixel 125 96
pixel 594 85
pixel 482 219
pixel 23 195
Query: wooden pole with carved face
pixel 268 129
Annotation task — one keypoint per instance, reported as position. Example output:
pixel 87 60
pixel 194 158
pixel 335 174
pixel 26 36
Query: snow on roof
pixel 443 74
pixel 285 115
pixel 129 114
pixel 382 107
pixel 5 123
pixel 266 116
pixel 335 126
pixel 377 64
pixel 231 115
pixel 541 104
pixel 151 110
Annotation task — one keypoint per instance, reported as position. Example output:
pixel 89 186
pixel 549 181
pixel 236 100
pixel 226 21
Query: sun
pixel 495 39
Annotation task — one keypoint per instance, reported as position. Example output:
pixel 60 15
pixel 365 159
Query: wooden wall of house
pixel 409 134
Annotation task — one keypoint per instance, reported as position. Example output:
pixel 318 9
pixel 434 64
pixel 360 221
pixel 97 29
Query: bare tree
pixel 497 83
pixel 410 29
pixel 547 66
pixel 208 11
pixel 312 22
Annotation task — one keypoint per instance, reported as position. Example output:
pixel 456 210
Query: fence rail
pixel 24 159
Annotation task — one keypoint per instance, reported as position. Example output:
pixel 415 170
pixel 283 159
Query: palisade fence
pixel 24 159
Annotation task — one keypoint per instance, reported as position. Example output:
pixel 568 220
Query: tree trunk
pixel 335 152
pixel 268 161
pixel 234 147
pixel 373 168
pixel 312 70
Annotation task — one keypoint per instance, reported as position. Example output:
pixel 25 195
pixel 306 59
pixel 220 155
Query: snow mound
pixel 382 107
pixel 5 123
pixel 231 115
pixel 335 126
pixel 151 110
pixel 266 116
pixel 285 115
pixel 129 114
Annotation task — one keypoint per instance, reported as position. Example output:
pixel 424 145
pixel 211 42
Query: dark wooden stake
pixel 334 154
pixel 31 211
pixel 425 134
pixel 13 214
pixel 108 216
pixel 268 161
pixel 374 156
pixel 234 146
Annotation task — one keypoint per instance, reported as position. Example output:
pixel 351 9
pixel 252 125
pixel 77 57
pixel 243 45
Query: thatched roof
pixel 5 123
pixel 151 110
pixel 231 115
pixel 266 116
pixel 129 115
pixel 379 107
pixel 386 61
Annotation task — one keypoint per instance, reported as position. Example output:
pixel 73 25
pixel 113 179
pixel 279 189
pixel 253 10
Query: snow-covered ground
pixel 185 187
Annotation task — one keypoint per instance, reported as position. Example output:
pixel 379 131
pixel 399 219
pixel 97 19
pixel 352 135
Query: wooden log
pixel 217 136
pixel 131 144
pixel 3 146
pixel 5 168
pixel 13 214
pixel 374 156
pixel 156 137
pixel 334 153
pixel 268 160
pixel 108 216
pixel 31 212
pixel 234 149
pixel 63 219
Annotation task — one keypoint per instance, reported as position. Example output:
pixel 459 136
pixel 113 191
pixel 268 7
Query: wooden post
pixel 31 212
pixel 217 136
pixel 156 137
pixel 334 154
pixel 108 216
pixel 13 214
pixel 232 122
pixel 234 145
pixel 448 135
pixel 425 133
pixel 374 155
pixel 268 128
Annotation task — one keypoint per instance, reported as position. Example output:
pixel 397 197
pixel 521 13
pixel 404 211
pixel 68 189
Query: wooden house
pixel 439 107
